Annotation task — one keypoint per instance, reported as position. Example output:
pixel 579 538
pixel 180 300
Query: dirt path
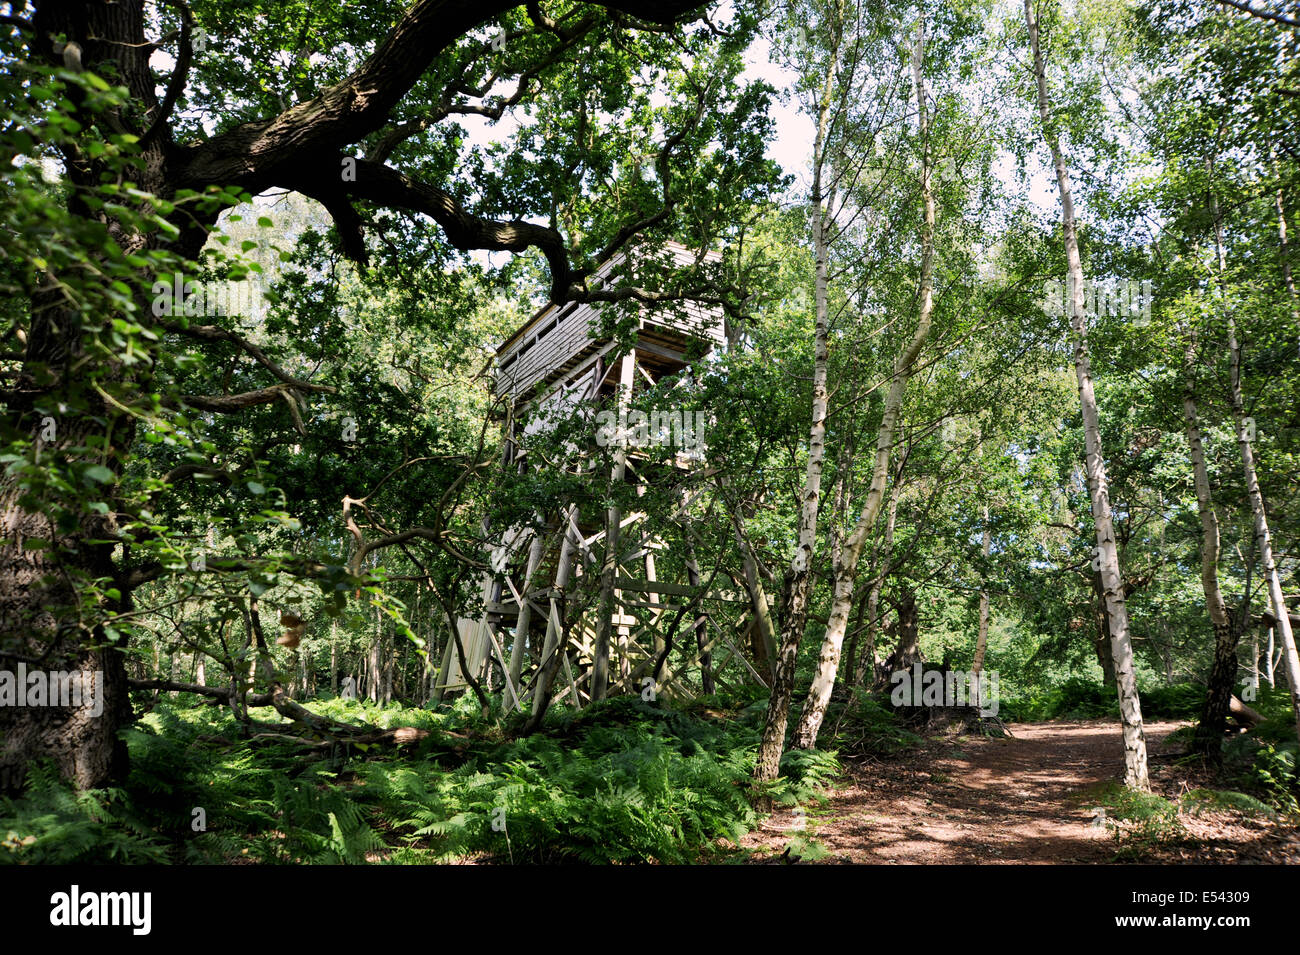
pixel 1017 800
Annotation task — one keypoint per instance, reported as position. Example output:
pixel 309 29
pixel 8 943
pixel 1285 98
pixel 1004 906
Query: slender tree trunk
pixel 878 582
pixel 374 679
pixel 1223 671
pixel 1263 538
pixel 1254 656
pixel 845 566
pixel 982 635
pixel 701 626
pixel 1284 253
pixel 334 664
pixel 1103 644
pixel 1107 559
pixel 390 662
pixel 263 665
pixel 768 765
pixel 763 630
pixel 851 647
pixel 872 656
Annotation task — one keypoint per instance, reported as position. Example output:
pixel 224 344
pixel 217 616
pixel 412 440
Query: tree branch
pixel 251 154
pixel 1261 14
pixel 385 186
pixel 214 333
pixel 226 404
pixel 180 75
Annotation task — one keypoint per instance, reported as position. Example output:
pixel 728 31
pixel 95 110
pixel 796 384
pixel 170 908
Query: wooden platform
pixel 558 343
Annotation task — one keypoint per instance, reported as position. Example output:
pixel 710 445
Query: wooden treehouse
pixel 528 634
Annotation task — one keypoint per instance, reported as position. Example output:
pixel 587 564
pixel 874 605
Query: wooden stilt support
pixel 551 646
pixel 608 593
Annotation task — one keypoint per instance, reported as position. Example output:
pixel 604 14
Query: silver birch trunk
pixel 767 766
pixel 1263 539
pixel 1107 552
pixel 1223 670
pixel 982 636
pixel 846 566
pixel 1284 253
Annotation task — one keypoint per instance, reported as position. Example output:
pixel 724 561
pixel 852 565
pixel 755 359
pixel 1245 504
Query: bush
pixel 1072 699
pixel 53 824
pixel 1137 820
pixel 1263 761
pixel 868 726
pixel 1079 699
pixel 621 781
pixel 1178 701
pixel 1200 800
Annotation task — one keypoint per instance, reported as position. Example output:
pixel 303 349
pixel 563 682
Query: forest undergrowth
pixel 624 781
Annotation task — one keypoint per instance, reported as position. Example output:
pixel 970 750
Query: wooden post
pixel 701 626
pixel 609 596
pixel 550 647
pixel 654 596
pixel 525 618
pixel 440 678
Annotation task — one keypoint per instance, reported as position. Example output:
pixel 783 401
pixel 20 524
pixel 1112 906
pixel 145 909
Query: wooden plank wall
pixel 556 339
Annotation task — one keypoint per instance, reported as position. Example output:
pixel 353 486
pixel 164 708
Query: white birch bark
pixel 1263 538
pixel 982 635
pixel 767 766
pixel 1223 670
pixel 1107 553
pixel 846 566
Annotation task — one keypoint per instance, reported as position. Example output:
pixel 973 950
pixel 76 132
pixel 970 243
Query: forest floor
pixel 1030 798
